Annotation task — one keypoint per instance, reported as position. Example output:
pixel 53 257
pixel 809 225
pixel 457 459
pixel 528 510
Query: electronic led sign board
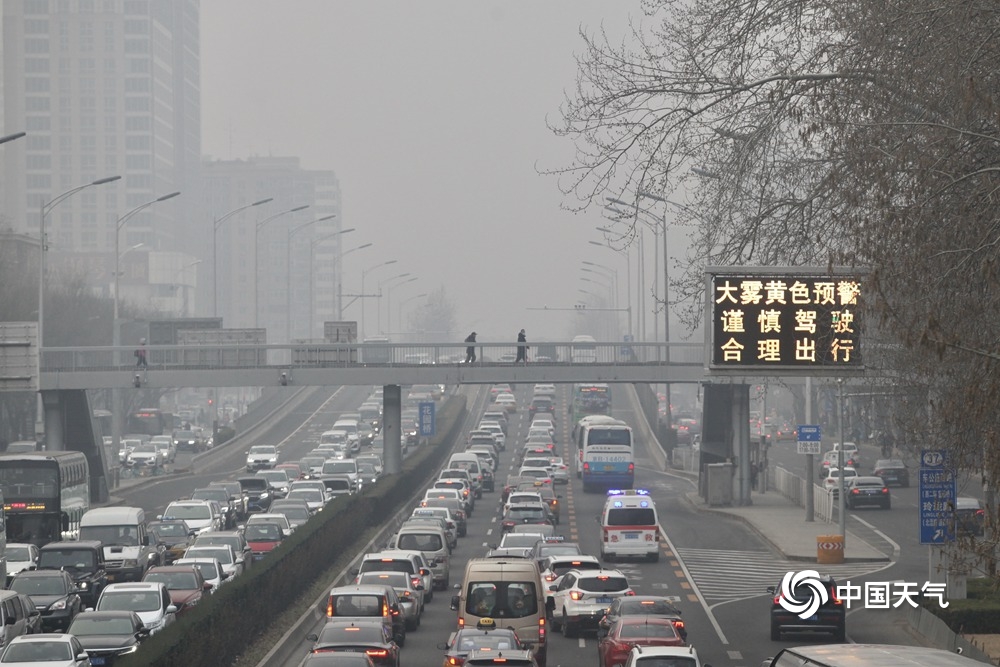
pixel 763 321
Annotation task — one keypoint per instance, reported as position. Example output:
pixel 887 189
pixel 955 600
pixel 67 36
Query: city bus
pixel 605 455
pixel 150 421
pixel 590 399
pixel 45 495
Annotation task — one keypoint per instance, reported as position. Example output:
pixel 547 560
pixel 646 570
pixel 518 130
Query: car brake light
pixel 377 653
pixel 541 629
pixel 576 595
pixel 329 608
pixel 586 466
pixel 679 625
pixel 550 577
pixel 461 622
pixel 630 592
pixel 631 467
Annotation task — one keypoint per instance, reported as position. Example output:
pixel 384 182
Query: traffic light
pixel 211 398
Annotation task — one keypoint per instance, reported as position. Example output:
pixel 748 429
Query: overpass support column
pixel 54 441
pixel 392 408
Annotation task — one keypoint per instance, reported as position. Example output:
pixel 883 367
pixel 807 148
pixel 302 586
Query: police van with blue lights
pixel 630 527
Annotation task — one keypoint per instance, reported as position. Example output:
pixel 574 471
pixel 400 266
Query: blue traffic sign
pixel 426 412
pixel 936 498
pixel 809 433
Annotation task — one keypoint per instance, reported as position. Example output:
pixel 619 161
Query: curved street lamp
pixel 364 296
pixel 312 277
pixel 256 257
pixel 388 302
pixel 340 278
pixel 215 249
pixel 42 247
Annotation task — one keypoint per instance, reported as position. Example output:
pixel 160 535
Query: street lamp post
pixel 378 308
pixel 363 296
pixel 399 311
pixel 666 297
pixel 183 287
pixel 312 277
pixel 628 274
pixel 388 303
pixel 119 224
pixel 292 231
pixel 340 279
pixel 42 247
pixel 256 258
pixel 215 249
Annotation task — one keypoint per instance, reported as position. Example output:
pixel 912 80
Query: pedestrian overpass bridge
pixel 335 364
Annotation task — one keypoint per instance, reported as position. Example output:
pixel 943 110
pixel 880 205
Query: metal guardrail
pixel 353 355
pixel 793 487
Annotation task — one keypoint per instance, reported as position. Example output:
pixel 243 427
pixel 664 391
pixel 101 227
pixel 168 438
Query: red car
pixel 184 583
pixel 632 631
pixel 263 538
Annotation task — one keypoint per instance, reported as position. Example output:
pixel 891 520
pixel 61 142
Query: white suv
pixel 200 515
pixel 581 598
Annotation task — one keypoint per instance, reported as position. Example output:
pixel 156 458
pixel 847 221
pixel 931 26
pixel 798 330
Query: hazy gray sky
pixel 432 114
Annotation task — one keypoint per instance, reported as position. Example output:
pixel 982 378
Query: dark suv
pixel 83 560
pixel 258 492
pixel 829 617
pixel 541 404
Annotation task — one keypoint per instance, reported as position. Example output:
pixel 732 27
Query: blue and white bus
pixel 606 454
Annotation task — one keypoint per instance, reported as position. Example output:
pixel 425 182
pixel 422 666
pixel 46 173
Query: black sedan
pixel 642 605
pixel 370 637
pixel 892 471
pixel 106 635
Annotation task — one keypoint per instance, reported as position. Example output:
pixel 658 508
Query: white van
pixel 507 591
pixel 583 350
pixel 128 552
pixel 353 436
pixel 471 463
pixel 432 542
pixel 630 526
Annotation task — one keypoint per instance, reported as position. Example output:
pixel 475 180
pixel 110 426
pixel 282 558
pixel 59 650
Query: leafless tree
pixel 811 132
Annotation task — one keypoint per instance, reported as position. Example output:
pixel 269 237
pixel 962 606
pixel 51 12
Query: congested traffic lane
pixel 666 577
pixel 297 433
pixel 438 621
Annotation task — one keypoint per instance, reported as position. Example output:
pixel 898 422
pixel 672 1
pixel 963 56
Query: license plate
pixel 111 578
pixel 608 468
pixel 98 661
pixel 604 600
pixel 631 535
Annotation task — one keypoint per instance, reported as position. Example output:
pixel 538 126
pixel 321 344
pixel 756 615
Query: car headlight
pixel 82 585
pixel 263 495
pixel 249 461
pixel 273 459
pixel 58 605
pixel 131 649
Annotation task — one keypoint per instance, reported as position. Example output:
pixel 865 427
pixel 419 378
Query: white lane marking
pixel 895 547
pixel 489 531
pixel 735 655
pixel 694 588
pixel 582 643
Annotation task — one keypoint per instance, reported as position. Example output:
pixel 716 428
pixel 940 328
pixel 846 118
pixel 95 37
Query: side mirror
pixel 425 572
pixel 443 646
pixel 81 657
pixel 208 586
pixel 553 587
pixel 454 603
pixel 145 540
pixel 171 609
pixel 418 587
pixel 225 575
pixel 142 633
pixel 312 638
pixel 10 620
pixel 770 589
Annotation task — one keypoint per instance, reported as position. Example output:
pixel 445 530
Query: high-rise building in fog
pixel 104 87
pixel 263 280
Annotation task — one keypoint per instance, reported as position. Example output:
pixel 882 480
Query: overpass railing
pixel 347 355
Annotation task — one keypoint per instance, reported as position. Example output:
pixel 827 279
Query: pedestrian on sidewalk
pixel 522 347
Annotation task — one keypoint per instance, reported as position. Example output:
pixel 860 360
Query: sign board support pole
pixel 810 461
pixel 841 501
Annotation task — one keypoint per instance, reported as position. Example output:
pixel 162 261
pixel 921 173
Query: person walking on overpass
pixel 470 351
pixel 522 347
pixel 140 354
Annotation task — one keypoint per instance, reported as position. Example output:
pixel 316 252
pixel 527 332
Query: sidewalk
pixel 783 525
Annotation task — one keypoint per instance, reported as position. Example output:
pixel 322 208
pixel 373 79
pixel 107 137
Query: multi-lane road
pixel 716 568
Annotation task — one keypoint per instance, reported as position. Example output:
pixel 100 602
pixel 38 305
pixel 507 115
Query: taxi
pixel 485 638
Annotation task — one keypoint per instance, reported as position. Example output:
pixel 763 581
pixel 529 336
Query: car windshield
pixel 498 640
pixel 651 630
pixel 339 467
pixel 17 553
pixel 129 601
pixel 71 559
pixel 184 435
pixel 309 495
pixel 632 606
pixel 263 532
pixel 40 585
pixel 211 494
pixel 111 535
pixel 631 516
pixel 522 540
pixel 394 579
pixel 201 512
pixel 89 627
pixel 518 512
pixel 209 570
pixel 299 514
pixel 174 581
pixel 351 634
pixel 602 584
pixel 666 661
pixel 419 542
pixel 224 556
pixel 263 450
pixel 38 651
